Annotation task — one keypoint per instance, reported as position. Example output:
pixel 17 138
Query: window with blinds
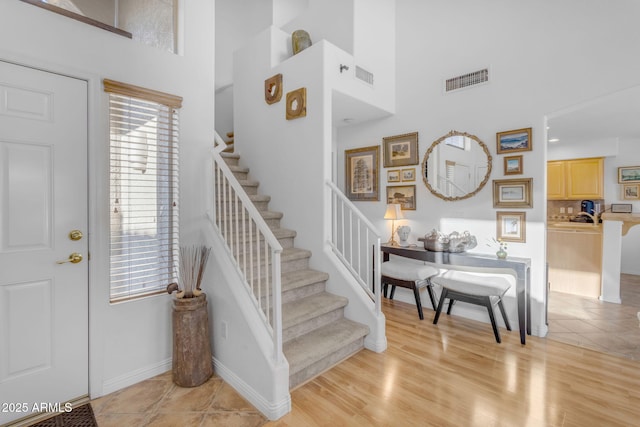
pixel 143 160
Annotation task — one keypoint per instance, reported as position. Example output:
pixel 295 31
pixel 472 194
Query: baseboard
pixel 134 377
pixel 272 411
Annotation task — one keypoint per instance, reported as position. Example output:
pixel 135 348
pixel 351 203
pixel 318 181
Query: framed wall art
pixel 393 175
pixel 511 226
pixel 400 150
pixel 513 165
pixel 512 193
pixel 361 173
pixel 631 192
pixel 404 195
pixel 513 141
pixel 628 174
pixel 408 175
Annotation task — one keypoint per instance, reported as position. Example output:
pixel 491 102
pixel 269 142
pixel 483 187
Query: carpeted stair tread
pixel 310 307
pixel 308 349
pixel 303 277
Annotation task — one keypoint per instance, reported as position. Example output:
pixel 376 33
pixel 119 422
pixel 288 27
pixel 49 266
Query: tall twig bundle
pixel 193 261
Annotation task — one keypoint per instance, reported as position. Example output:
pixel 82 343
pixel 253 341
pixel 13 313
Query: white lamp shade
pixel 394 211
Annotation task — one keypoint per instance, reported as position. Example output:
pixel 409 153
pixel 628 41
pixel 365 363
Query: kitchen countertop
pixel 574 226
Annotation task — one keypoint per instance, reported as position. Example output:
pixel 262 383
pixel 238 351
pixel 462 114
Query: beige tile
pixel 119 420
pixel 182 419
pixel 233 419
pixel 183 399
pixel 228 399
pixel 139 398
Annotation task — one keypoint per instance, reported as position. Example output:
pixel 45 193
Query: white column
pixel 611 258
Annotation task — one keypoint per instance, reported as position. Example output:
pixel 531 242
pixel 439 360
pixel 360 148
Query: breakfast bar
pixel 521 266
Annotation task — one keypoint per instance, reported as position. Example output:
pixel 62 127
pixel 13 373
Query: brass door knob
pixel 75 235
pixel 74 258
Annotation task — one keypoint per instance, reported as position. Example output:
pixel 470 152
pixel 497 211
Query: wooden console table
pixel 521 266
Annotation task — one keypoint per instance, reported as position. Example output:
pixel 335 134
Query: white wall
pixel 128 341
pixel 542 57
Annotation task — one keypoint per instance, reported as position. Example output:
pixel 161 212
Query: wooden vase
pixel 192 362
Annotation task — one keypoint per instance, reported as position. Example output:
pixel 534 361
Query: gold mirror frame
pixel 434 145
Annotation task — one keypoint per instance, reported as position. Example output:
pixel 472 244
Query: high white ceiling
pixel 612 116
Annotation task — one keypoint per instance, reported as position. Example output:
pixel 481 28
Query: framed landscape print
pixel 513 165
pixel 628 174
pixel 361 173
pixel 400 150
pixel 512 193
pixel 513 141
pixel 631 191
pixel 511 226
pixel 404 195
pixel 409 174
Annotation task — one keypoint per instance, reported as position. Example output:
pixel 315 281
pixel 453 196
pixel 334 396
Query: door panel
pixel 43 196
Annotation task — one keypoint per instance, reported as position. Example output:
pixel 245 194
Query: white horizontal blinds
pixel 143 193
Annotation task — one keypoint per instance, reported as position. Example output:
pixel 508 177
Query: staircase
pixel 315 333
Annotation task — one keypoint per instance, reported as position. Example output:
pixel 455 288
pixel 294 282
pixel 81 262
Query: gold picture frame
pixel 631 191
pixel 408 174
pixel 393 175
pixel 400 150
pixel 513 141
pixel 512 193
pixel 628 174
pixel 513 165
pixel 361 173
pixel 511 226
pixel 404 195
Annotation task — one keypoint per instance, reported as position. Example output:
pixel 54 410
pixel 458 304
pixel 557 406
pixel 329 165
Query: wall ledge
pixel 628 220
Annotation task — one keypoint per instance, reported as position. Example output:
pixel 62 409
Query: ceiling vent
pixel 466 80
pixel 364 75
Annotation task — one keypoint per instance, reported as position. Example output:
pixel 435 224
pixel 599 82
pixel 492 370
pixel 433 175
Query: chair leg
pixel 393 291
pixel 432 296
pixel 416 293
pixel 451 301
pixel 384 289
pixel 493 318
pixel 504 315
pixel 440 304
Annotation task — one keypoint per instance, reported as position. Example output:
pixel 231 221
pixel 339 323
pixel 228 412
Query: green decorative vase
pixel 501 254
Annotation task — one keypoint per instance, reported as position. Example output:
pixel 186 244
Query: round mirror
pixel 456 166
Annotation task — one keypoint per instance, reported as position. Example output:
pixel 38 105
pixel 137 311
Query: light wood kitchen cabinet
pixel 574 257
pixel 575 179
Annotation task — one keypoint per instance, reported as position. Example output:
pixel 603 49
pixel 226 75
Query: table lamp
pixel 394 211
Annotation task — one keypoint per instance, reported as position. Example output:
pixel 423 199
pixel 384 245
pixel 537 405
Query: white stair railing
pixel 356 243
pixel 251 244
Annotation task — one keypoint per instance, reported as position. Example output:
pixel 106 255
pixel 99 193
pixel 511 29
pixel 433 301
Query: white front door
pixel 43 198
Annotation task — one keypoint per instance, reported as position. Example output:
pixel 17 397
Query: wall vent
pixel 466 80
pixel 364 75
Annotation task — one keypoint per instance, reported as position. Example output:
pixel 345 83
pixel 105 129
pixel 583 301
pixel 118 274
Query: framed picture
pixel 361 173
pixel 400 150
pixel 513 165
pixel 511 226
pixel 409 174
pixel 628 174
pixel 405 195
pixel 393 175
pixel 631 191
pixel 513 141
pixel 512 193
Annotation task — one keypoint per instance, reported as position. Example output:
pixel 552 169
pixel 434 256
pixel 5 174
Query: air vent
pixel 467 80
pixel 364 75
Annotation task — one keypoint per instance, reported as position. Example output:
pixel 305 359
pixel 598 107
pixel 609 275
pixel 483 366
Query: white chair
pixel 486 289
pixel 410 275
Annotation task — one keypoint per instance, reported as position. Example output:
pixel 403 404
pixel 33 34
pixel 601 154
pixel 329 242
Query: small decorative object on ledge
pixel 502 248
pixel 192 362
pixel 403 234
pixel 454 242
pixel 300 40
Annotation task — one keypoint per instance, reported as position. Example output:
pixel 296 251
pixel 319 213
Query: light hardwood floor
pixel 450 374
pixel 455 374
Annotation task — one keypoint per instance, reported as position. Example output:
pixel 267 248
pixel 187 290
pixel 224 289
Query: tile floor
pixel 159 402
pixel 597 325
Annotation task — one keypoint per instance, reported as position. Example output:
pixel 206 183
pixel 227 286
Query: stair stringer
pixel 360 308
pixel 245 358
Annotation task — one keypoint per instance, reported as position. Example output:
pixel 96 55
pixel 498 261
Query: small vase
pixel 501 254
